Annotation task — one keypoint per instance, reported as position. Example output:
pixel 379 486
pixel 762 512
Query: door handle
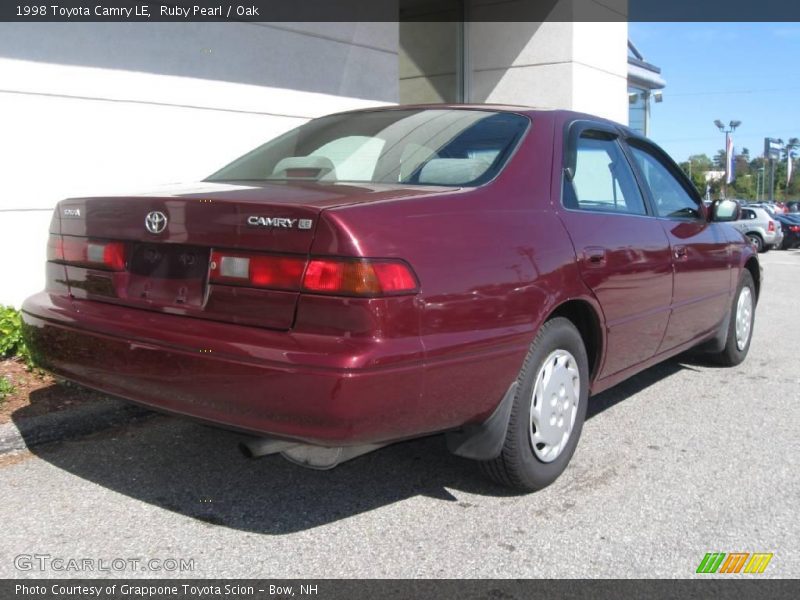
pixel 680 252
pixel 594 255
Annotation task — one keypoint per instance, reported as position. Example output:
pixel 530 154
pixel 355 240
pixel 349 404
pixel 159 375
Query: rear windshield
pixel 442 147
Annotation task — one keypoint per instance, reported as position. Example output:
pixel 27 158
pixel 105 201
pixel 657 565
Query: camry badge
pixel 155 221
pixel 280 222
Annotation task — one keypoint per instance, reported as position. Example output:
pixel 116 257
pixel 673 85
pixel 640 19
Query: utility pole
pixel 731 128
pixel 758 185
pixel 772 180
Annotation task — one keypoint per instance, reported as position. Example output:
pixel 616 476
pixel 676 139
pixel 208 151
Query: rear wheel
pixel 756 240
pixel 740 324
pixel 548 411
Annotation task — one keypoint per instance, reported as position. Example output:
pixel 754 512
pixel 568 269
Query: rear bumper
pixel 792 239
pixel 312 388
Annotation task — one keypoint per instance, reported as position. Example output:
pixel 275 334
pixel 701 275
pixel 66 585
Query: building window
pixel 638 110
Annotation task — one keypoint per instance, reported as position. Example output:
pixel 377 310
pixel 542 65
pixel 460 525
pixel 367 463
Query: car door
pixel 744 224
pixel 622 251
pixel 700 250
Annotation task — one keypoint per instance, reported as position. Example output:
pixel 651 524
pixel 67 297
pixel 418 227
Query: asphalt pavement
pixel 682 460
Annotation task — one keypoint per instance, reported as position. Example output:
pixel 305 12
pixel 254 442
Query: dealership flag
pixel 730 164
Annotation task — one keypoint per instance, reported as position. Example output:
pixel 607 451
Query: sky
pixel 749 72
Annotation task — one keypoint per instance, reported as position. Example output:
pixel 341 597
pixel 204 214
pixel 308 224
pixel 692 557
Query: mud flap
pixel 485 440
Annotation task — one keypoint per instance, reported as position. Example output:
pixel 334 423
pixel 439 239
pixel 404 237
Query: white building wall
pixel 90 108
pixel 576 66
pixel 600 73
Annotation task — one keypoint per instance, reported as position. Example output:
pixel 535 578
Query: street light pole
pixel 772 181
pixel 731 128
pixel 760 183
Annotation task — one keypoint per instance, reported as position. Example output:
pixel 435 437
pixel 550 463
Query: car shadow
pixel 197 471
pixel 605 400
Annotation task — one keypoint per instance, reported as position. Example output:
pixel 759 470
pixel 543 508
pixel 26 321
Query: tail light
pixel 86 252
pixel 335 276
pixel 257 270
pixel 359 277
pixel 771 226
pixel 794 228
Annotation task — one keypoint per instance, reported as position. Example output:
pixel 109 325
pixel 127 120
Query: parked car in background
pixel 790 226
pixel 378 275
pixel 779 237
pixel 791 233
pixel 771 207
pixel 760 228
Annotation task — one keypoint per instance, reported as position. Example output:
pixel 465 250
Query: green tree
pixel 743 187
pixel 719 160
pixel 696 168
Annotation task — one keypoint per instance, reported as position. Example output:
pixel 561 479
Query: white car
pixel 762 230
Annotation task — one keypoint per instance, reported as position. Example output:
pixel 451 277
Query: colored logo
pixel 734 562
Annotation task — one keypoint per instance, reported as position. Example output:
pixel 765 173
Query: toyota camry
pixel 384 274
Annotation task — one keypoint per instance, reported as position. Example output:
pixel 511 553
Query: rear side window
pixel 669 196
pixel 602 179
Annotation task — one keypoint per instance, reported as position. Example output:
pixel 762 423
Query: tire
pixel 756 240
pixel 523 463
pixel 735 351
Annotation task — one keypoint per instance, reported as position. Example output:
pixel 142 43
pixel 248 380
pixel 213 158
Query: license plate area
pixel 168 274
pixel 169 261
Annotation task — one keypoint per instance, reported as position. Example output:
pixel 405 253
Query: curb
pixel 67 424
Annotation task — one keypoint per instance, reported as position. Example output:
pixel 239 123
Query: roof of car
pixel 510 108
pixel 515 108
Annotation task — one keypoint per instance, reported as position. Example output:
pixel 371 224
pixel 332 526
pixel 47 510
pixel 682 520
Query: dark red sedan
pixel 378 275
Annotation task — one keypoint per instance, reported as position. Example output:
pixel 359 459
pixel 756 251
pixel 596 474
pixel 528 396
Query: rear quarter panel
pixel 492 263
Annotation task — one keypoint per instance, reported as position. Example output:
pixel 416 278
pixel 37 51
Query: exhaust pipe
pixel 305 455
pixel 263 446
pixel 321 458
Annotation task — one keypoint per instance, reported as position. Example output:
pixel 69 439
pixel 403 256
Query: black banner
pixel 391 589
pixel 398 10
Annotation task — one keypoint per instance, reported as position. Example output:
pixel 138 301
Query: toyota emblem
pixel 155 221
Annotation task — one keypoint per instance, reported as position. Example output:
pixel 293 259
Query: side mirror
pixel 725 210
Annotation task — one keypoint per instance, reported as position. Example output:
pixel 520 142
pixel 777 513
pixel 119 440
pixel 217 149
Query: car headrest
pixel 452 171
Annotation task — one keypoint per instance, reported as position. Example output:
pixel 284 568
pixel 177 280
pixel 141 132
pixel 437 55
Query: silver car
pixel 762 230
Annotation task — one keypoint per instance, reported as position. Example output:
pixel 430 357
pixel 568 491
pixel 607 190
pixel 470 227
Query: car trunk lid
pixel 168 238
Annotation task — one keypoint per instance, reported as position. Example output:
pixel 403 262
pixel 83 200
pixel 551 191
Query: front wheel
pixel 740 323
pixel 548 411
